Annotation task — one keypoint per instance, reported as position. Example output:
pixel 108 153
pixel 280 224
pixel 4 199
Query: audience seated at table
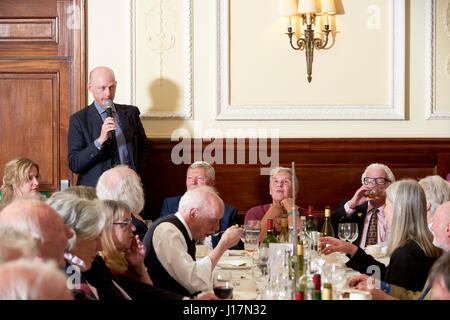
pixel 201 173
pixel 280 189
pixel 170 242
pixel 440 228
pixel 360 208
pixel 409 245
pixel 21 177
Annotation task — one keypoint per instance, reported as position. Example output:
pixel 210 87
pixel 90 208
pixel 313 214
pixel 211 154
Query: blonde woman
pixel 410 242
pixel 21 177
pixel 121 261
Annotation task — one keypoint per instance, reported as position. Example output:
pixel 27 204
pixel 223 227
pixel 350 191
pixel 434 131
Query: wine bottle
pixel 311 224
pixel 327 228
pixel 270 238
pixel 300 258
pixel 317 284
pixel 302 284
pixel 284 234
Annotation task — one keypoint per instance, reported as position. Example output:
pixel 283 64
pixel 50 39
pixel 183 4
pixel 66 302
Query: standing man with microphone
pixel 104 134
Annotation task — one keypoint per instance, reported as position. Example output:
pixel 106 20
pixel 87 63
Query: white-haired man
pixel 366 206
pixel 123 183
pixel 201 173
pixel 170 243
pixel 43 224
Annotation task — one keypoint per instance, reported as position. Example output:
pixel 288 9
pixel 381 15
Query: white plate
pixel 244 295
pixel 234 264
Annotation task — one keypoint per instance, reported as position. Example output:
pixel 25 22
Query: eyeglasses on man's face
pixel 379 180
pixel 124 224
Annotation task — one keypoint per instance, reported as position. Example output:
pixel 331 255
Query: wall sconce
pixel 308 10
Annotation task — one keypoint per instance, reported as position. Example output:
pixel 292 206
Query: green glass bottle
pixel 302 283
pixel 327 228
pixel 284 234
pixel 311 224
pixel 270 238
pixel 300 256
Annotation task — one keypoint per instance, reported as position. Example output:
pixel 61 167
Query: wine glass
pixel 343 233
pixel 223 284
pixel 353 230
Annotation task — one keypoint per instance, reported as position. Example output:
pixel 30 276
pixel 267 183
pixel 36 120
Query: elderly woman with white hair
pixel 86 219
pixel 281 188
pixel 409 244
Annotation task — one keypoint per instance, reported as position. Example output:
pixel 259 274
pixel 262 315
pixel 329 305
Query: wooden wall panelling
pixel 33 93
pixel 42 39
pixel 329 170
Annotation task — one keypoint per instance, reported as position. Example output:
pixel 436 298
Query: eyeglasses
pixel 379 180
pixel 123 223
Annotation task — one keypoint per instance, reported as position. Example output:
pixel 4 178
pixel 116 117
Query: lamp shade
pixel 287 7
pixel 307 6
pixel 328 6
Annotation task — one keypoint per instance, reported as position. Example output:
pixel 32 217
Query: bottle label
pixel 299 296
pixel 270 225
pixel 316 280
pixel 326 294
pixel 284 222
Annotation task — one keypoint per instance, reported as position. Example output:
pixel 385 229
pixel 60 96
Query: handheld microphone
pixel 109 113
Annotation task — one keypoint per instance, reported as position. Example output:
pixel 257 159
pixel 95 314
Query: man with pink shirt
pixel 366 207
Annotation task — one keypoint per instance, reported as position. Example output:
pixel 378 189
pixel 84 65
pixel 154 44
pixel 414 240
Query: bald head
pixel 42 223
pixel 441 226
pixel 202 210
pixel 100 72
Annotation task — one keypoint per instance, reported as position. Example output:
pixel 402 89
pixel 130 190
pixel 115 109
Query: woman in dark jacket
pixel 410 242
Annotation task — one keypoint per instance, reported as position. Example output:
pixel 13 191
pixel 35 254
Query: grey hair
pixel 409 222
pixel 196 199
pixel 205 165
pixel 128 188
pixel 437 191
pixel 82 216
pixel 27 279
pixel 15 244
pixel 381 166
pixel 441 268
pixel 283 169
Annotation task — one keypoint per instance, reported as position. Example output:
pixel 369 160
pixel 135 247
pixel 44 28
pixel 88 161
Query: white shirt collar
pixel 178 215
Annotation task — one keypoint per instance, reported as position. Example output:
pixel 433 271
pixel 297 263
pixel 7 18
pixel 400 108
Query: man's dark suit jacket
pixel 358 217
pixel 85 159
pixel 170 206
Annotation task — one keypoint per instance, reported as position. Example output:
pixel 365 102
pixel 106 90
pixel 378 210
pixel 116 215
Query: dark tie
pixel 372 229
pixel 114 152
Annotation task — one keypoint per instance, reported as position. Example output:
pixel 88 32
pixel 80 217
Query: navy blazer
pixel 86 160
pixel 170 206
pixel 358 217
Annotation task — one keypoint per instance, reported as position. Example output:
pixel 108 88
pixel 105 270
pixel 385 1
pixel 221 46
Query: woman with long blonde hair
pixel 409 244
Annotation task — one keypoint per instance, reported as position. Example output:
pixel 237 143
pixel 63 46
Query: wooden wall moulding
pixel 329 170
pixel 29 30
